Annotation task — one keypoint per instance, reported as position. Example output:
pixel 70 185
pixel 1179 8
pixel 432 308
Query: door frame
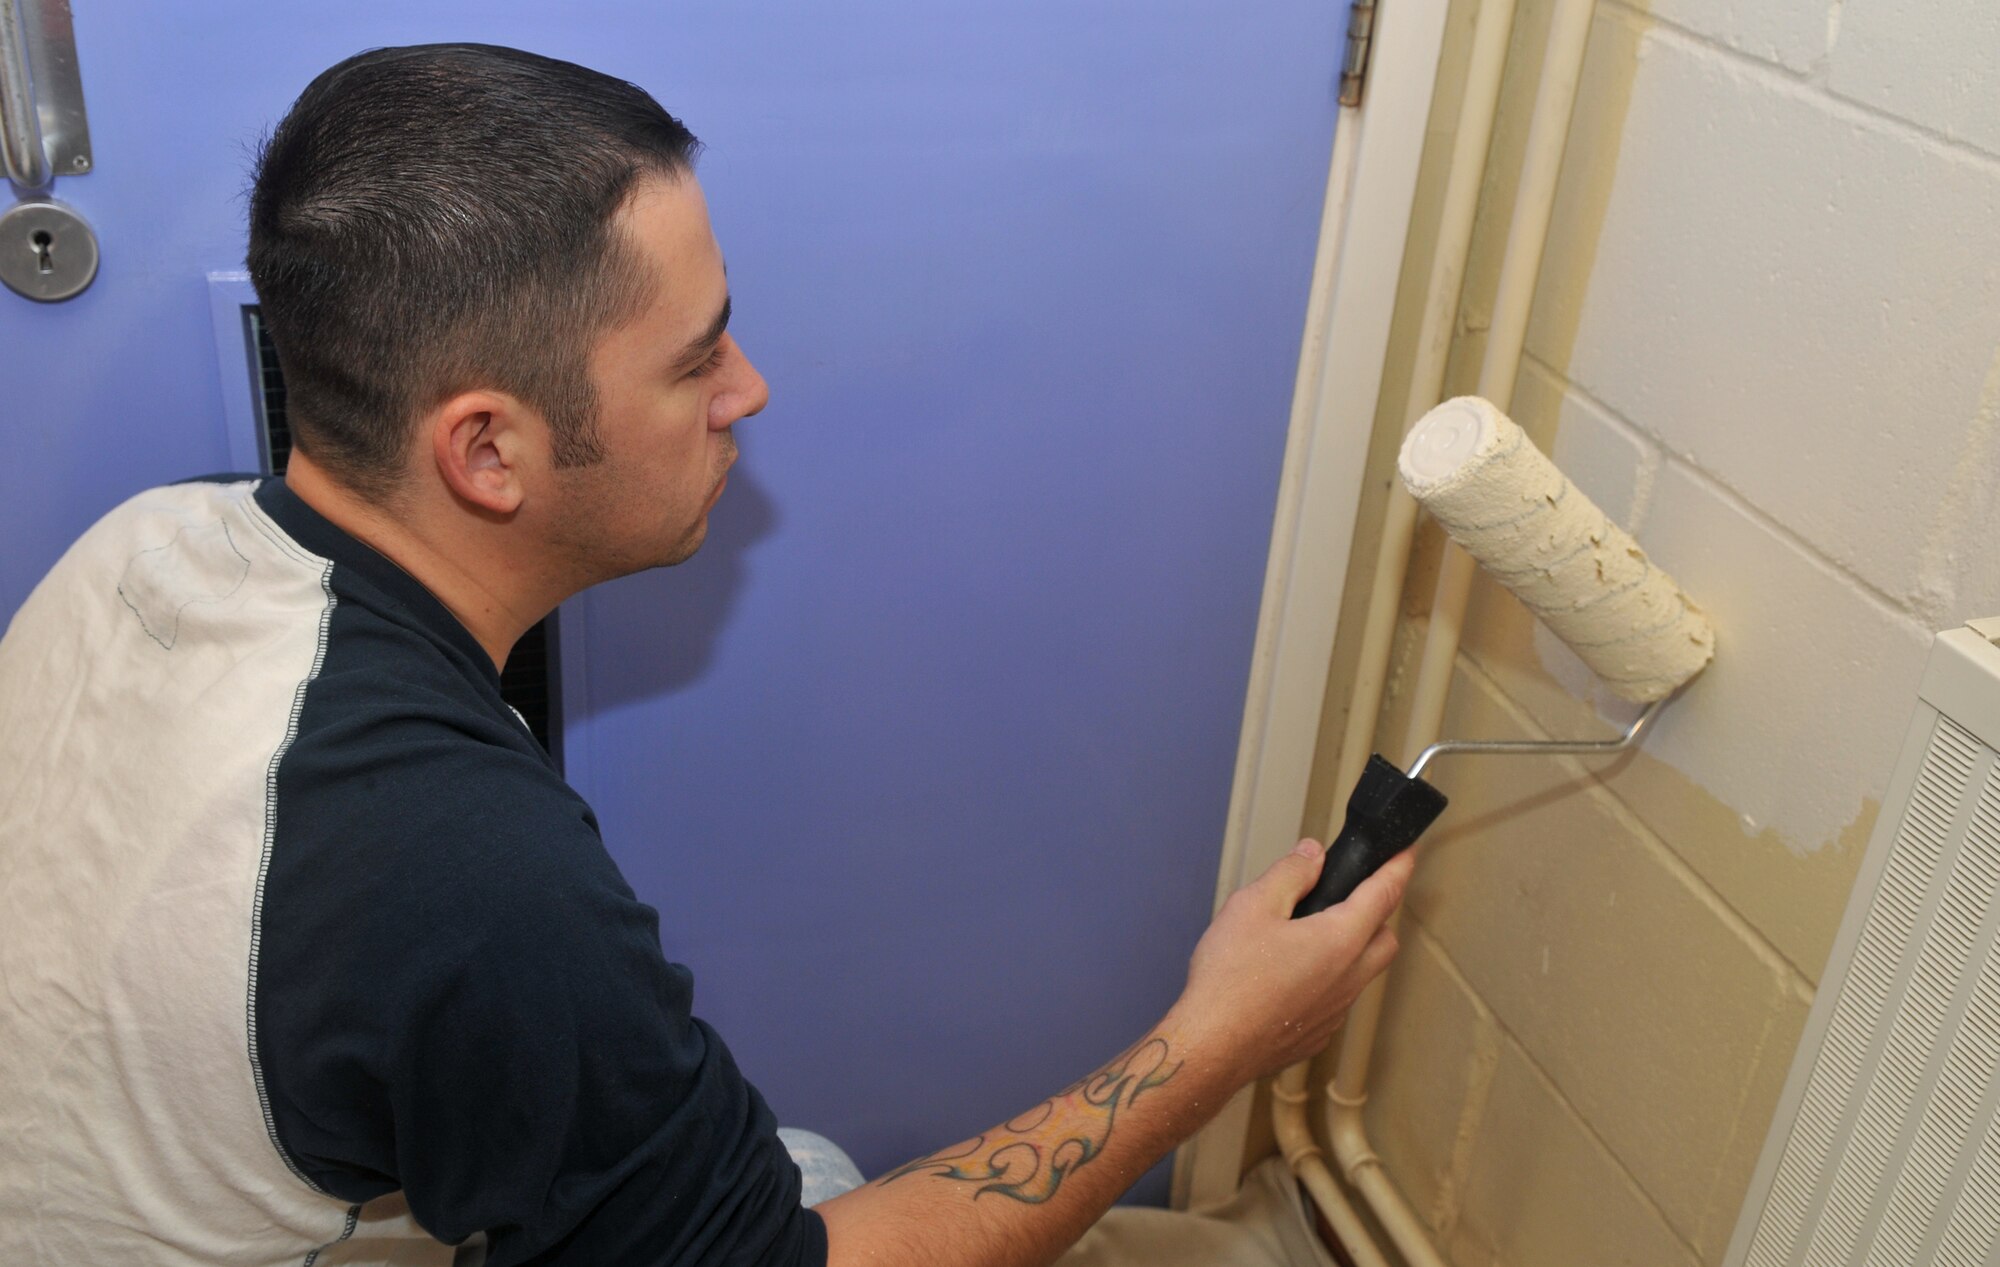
pixel 1364 231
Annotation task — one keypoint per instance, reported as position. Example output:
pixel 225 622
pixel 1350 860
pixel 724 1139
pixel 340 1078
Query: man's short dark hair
pixel 434 219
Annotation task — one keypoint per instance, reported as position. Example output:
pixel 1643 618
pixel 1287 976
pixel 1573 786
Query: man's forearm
pixel 1021 1192
pixel 1028 1157
pixel 1264 990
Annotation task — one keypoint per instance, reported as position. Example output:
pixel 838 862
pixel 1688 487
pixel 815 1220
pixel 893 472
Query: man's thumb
pixel 1291 877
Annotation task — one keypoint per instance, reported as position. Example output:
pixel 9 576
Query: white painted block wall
pixel 1792 306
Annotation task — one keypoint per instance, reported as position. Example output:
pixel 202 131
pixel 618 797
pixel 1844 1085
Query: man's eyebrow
pixel 700 348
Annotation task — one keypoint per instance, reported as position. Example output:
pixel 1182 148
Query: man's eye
pixel 709 365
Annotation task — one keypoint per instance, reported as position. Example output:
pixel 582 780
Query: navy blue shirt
pixel 457 995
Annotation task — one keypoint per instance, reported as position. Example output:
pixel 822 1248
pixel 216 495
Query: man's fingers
pixel 1376 955
pixel 1375 899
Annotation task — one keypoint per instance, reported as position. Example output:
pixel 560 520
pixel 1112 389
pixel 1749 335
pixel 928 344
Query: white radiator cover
pixel 1885 1149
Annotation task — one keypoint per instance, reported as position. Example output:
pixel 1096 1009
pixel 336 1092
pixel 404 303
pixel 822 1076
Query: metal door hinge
pixel 1360 38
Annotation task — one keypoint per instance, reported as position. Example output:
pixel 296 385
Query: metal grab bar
pixel 44 129
pixel 25 152
pixel 48 251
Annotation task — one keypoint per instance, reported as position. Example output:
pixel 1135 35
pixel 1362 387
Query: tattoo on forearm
pixel 1029 1157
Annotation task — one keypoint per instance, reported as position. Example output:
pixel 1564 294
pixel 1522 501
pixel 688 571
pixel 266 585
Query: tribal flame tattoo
pixel 1029 1157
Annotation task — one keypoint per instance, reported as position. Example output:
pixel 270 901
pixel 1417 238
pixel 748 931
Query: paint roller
pixel 1512 510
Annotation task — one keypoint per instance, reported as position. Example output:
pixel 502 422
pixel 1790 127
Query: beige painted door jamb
pixel 1363 232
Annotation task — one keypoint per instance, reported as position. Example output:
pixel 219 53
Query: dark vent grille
pixel 530 682
pixel 277 437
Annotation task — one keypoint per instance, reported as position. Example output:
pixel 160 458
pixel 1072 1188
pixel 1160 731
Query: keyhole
pixel 44 259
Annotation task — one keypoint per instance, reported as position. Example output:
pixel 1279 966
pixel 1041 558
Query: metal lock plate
pixel 47 251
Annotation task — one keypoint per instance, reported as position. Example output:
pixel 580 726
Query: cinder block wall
pixel 1765 340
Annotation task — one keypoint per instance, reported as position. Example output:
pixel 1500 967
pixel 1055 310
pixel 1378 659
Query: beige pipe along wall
pixel 1765 342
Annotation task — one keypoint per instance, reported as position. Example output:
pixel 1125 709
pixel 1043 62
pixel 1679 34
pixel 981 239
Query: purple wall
pixel 925 757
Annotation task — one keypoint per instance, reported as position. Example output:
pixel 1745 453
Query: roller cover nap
pixel 1510 508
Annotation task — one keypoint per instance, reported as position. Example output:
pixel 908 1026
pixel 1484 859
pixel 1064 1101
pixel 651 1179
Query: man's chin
pixel 632 562
pixel 685 548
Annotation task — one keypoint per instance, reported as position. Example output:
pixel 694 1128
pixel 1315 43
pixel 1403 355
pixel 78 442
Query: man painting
pixel 311 955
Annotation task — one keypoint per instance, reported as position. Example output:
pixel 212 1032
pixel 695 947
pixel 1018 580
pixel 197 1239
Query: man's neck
pixel 488 597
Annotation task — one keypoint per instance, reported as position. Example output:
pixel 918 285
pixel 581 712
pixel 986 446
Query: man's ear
pixel 483 444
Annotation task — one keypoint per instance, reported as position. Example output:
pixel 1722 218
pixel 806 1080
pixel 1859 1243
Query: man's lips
pixel 722 480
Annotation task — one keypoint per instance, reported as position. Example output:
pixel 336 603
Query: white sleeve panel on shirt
pixel 148 686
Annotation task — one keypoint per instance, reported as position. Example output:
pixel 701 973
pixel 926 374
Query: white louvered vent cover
pixel 1885 1149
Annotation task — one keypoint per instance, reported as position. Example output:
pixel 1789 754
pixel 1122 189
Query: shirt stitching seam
pixel 263 522
pixel 353 1217
pixel 263 871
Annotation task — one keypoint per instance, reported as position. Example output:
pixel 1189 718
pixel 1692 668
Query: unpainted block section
pixel 1466 1249
pixel 1432 1065
pixel 1543 1191
pixel 1753 1123
pixel 1640 994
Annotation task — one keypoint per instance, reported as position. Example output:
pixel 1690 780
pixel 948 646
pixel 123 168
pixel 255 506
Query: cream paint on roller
pixel 1510 508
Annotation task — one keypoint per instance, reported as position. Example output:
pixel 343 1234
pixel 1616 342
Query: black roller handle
pixel 1386 814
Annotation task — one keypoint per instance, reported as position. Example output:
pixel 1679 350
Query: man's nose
pixel 746 394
